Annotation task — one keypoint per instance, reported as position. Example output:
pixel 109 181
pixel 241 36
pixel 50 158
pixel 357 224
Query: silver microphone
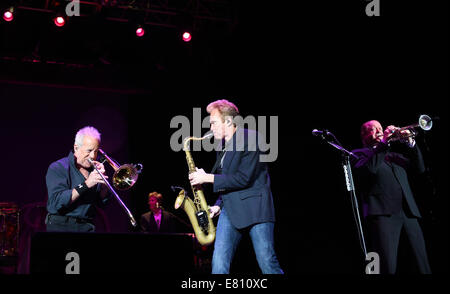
pixel 317 132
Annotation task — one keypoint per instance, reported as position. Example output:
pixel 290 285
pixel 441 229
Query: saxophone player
pixel 245 203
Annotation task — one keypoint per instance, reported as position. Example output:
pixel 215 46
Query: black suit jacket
pixel 382 177
pixel 168 223
pixel 244 183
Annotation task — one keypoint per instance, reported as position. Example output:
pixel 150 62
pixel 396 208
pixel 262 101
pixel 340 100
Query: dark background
pixel 314 65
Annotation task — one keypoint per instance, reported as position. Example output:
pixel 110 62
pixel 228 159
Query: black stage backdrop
pixel 324 65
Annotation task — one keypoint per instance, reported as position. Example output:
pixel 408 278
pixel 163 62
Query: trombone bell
pixel 126 176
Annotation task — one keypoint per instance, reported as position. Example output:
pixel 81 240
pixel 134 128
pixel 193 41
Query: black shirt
pixel 62 177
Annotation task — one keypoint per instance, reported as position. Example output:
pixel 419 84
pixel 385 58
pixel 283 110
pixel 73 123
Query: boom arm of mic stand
pixel 343 149
pixel 132 220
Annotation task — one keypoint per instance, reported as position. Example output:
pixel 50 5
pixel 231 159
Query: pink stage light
pixel 140 32
pixel 59 21
pixel 8 16
pixel 187 36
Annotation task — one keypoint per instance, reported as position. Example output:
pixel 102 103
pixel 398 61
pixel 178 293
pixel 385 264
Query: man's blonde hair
pixel 225 108
pixel 157 195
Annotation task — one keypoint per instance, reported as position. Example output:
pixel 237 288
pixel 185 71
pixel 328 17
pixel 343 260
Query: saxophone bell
pixel 180 198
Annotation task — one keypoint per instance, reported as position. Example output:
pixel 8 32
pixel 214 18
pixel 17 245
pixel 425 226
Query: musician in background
pixel 245 204
pixel 158 220
pixel 388 202
pixel 74 187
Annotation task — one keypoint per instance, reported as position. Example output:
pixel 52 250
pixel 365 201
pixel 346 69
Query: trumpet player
pixel 389 207
pixel 74 187
pixel 245 204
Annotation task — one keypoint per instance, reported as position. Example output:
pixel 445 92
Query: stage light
pixel 59 21
pixel 8 15
pixel 140 32
pixel 187 36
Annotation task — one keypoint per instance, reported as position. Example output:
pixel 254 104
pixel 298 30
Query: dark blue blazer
pixel 244 182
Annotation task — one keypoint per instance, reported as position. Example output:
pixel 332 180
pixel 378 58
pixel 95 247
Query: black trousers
pixel 58 223
pixel 384 238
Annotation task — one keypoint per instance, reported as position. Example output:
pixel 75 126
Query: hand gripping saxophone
pixel 197 209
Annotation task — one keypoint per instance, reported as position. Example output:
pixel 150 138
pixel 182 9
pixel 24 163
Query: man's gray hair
pixel 87 131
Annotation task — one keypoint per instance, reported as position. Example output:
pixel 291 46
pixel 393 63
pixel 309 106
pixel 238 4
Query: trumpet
pixel 403 134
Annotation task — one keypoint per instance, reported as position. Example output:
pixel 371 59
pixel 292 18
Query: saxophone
pixel 197 209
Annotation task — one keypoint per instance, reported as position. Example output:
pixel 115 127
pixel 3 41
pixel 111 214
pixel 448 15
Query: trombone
pixel 125 176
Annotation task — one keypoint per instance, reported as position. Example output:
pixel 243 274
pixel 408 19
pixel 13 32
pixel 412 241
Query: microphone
pixel 176 187
pixel 317 132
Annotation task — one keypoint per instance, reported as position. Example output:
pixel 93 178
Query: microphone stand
pixel 349 183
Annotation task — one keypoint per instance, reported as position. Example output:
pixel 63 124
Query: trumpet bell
pixel 126 176
pixel 425 122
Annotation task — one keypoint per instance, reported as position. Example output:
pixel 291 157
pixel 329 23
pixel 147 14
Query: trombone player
pixel 389 206
pixel 74 187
